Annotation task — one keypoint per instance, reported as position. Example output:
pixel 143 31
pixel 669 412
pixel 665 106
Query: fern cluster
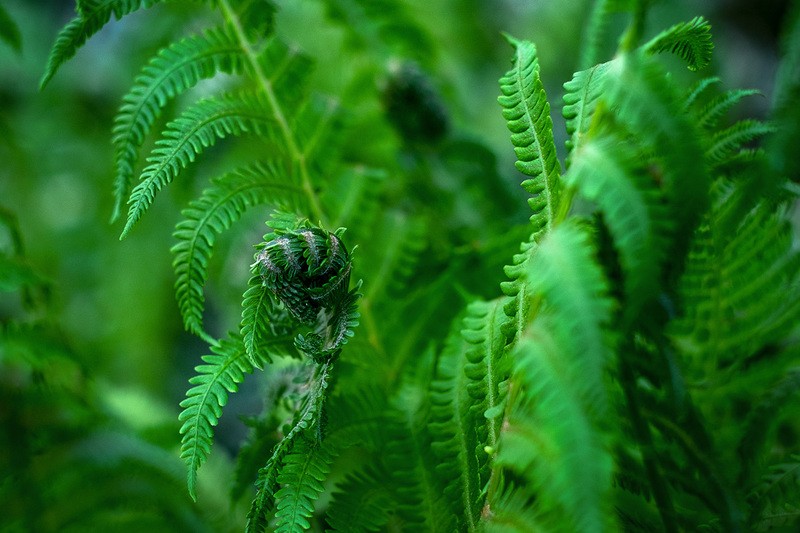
pixel 628 374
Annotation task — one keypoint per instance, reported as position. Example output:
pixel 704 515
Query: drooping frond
pixel 171 72
pixel 580 100
pixel 453 431
pixel 607 171
pixel 360 503
pixel 196 129
pixel 776 501
pixel 303 472
pixel 527 115
pixel 215 211
pixel 691 41
pixel 92 16
pixel 697 90
pixel 9 31
pixel 225 368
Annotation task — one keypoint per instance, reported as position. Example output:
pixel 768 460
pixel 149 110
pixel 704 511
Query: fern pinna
pixel 635 370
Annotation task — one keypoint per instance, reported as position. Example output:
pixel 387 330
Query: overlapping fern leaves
pixel 581 398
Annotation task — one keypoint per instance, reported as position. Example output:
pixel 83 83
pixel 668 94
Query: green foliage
pixel 633 367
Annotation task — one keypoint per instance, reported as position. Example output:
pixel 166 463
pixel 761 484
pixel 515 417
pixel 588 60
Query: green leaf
pixel 92 16
pixel 215 211
pixel 169 73
pixel 527 115
pixel 196 129
pixel 221 374
pixel 301 478
pixel 691 41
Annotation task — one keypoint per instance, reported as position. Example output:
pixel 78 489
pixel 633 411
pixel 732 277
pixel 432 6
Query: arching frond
pixel 527 115
pixel 301 478
pixel 215 211
pixel 608 172
pixel 580 100
pixel 196 129
pixel 224 370
pixel 691 41
pixel 92 16
pixel 171 72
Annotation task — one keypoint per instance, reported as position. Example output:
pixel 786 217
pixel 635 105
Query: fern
pixel 171 72
pixel 452 427
pixel 527 113
pixel 565 394
pixel 92 16
pixel 217 210
pixel 301 477
pixel 198 128
pixel 691 41
pixel 580 99
pixel 221 374
pixel 360 503
pixel 605 171
pixel 783 481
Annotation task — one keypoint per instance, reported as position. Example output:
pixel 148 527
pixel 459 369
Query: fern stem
pixel 297 155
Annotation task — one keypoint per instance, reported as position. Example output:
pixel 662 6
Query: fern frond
pixel 360 503
pixel 740 290
pixel 351 198
pixel 196 129
pixel 215 211
pixel 92 16
pixel 512 511
pixel 453 432
pixel 309 417
pixel 691 41
pixel 697 90
pixel 304 470
pixel 555 433
pixel 776 501
pixel 527 115
pixel 224 370
pixel 760 421
pixel 9 31
pixel 580 99
pixel 728 142
pixel 645 99
pixel 608 172
pixel 488 369
pixel 721 104
pixel 170 73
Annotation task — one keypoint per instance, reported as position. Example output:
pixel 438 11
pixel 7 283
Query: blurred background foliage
pixel 110 306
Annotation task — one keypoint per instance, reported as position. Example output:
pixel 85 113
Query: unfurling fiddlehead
pixel 308 270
